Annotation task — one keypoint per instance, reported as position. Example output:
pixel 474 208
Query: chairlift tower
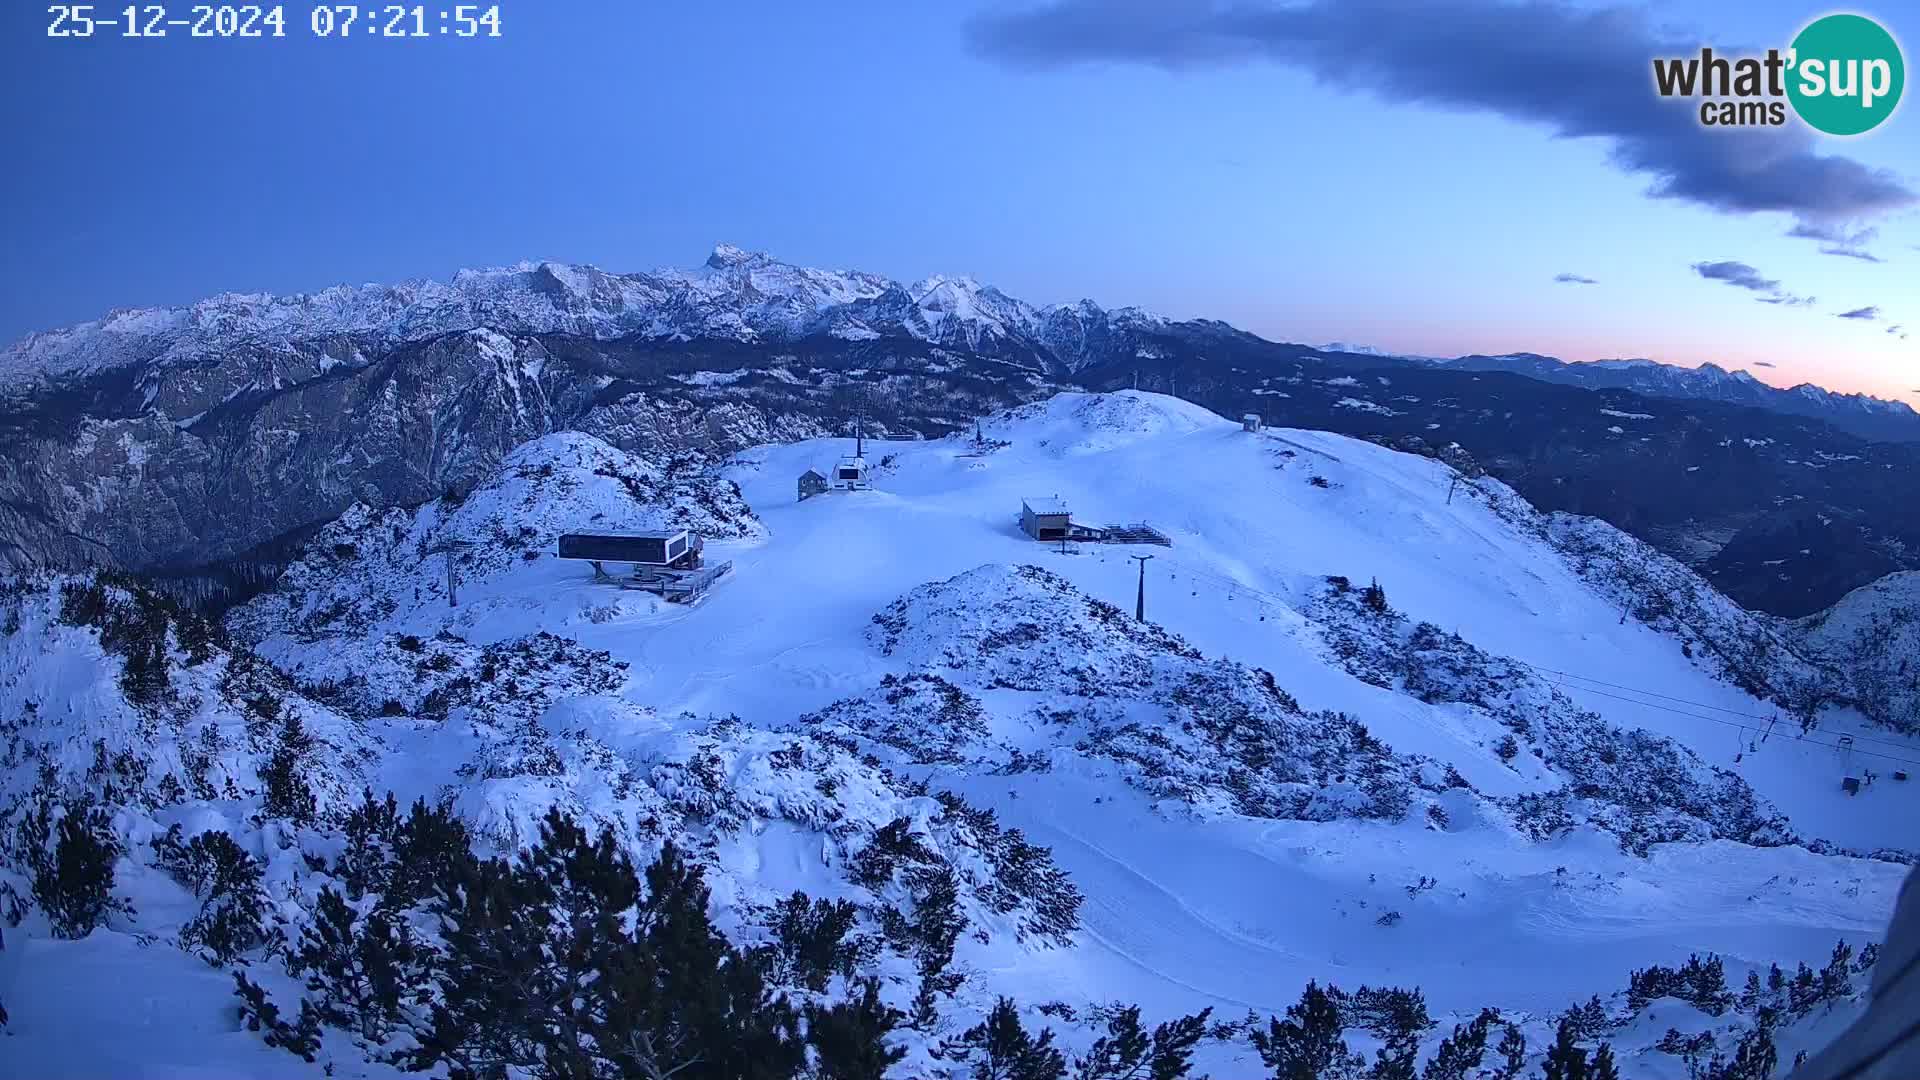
pixel 452 550
pixel 1140 597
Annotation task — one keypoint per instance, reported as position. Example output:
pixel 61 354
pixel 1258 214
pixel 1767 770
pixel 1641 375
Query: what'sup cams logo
pixel 1842 75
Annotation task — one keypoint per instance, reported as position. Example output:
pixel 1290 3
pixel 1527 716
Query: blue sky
pixel 897 138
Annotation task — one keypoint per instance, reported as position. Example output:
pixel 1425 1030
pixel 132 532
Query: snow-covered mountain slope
pixel 1384 725
pixel 736 294
pixel 1872 637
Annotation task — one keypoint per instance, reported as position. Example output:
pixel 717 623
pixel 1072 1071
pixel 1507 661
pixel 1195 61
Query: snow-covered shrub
pixel 1024 628
pixel 1217 734
pixel 69 850
pixel 922 716
pixel 227 880
pixel 1643 788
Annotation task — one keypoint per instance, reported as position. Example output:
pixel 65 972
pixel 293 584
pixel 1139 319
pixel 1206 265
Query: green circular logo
pixel 1846 74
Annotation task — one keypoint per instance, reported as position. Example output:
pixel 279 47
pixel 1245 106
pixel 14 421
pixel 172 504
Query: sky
pixel 1419 176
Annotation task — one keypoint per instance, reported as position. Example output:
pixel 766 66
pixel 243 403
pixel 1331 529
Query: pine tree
pixel 196 635
pixel 999 1048
pixel 1395 1063
pixel 259 1013
pixel 1375 597
pixel 1460 1053
pixel 1602 1066
pixel 1128 1052
pixel 367 862
pixel 1513 1054
pixel 233 908
pixel 287 793
pixel 560 965
pixel 810 941
pixel 72 883
pixel 1803 991
pixel 1565 1059
pixel 1307 1045
pixel 1836 979
pixel 1707 984
pixel 934 931
pixel 693 990
pixel 492 934
pixel 1754 1058
pixel 431 846
pixel 363 972
pixel 142 640
pixel 849 1040
pixel 1590 1020
pixel 1121 1052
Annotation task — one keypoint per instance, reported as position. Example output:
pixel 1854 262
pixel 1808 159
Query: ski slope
pixel 1239 914
pixel 1184 909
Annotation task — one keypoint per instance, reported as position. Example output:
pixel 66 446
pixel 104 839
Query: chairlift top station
pixel 849 474
pixel 1049 518
pixel 668 564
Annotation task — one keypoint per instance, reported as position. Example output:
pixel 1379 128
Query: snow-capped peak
pixel 727 255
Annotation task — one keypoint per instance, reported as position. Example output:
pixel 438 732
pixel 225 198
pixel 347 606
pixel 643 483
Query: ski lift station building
pixel 851 474
pixel 668 564
pixel 1045 519
pixel 679 549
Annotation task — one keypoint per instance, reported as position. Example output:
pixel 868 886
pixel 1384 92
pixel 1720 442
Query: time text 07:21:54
pixel 272 21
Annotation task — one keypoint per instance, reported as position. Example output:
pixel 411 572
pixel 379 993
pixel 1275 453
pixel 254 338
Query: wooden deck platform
pixel 1138 532
pixel 677 586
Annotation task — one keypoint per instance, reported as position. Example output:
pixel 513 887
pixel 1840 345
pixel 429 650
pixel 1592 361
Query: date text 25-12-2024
pixel 272 21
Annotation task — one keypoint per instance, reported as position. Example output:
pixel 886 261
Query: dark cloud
pixel 1737 274
pixel 1574 279
pixel 1864 314
pixel 1576 72
pixel 1741 276
pixel 1762 363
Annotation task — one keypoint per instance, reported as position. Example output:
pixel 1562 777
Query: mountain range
pixel 202 442
pixel 1859 414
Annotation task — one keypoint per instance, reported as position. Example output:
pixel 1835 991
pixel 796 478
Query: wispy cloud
pixel 1574 279
pixel 1838 240
pixel 1864 314
pixel 1762 363
pixel 1577 72
pixel 1741 276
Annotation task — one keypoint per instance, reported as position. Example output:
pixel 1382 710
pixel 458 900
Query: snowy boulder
pixel 1075 423
pixel 1024 628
